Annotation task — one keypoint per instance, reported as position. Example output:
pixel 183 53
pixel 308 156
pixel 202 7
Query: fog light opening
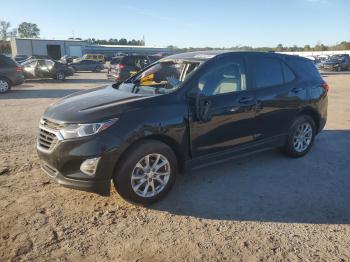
pixel 89 166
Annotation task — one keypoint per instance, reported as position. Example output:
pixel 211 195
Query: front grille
pixel 46 139
pixel 49 169
pixel 44 122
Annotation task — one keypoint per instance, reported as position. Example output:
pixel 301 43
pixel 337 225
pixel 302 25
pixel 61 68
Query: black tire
pixel 98 69
pixel 5 85
pixel 60 76
pixel 289 149
pixel 122 176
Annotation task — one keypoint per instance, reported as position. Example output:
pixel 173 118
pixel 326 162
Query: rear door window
pixel 267 72
pixel 128 61
pixel 288 74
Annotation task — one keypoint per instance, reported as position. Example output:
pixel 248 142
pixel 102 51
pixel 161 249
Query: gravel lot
pixel 264 207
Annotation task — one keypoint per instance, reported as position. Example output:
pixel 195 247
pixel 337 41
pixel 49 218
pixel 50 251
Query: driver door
pixel 44 68
pixel 29 69
pixel 225 108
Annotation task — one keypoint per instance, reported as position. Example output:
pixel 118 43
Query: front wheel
pixel 4 85
pixel 146 173
pixel 301 136
pixel 60 76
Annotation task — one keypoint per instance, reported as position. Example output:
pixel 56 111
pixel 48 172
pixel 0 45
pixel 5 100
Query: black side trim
pixel 239 151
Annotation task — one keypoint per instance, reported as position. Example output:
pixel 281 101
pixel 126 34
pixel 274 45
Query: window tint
pixel 287 73
pixel 141 62
pixel 115 61
pixel 304 68
pixel 267 72
pixel 223 78
pixel 7 61
pixel 2 63
pixel 41 62
pixel 49 63
pixel 128 60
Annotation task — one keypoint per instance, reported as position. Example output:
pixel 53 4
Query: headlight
pixel 81 130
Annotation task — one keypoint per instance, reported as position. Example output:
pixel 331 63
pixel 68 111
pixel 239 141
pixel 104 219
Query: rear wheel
pixel 146 173
pixel 4 85
pixel 60 76
pixel 98 69
pixel 301 136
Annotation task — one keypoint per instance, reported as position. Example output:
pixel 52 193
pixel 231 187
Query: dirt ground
pixel 264 207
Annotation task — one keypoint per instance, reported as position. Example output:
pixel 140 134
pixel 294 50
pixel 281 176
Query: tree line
pixel 344 45
pixel 30 30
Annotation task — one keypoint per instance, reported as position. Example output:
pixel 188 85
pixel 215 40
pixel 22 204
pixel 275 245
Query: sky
pixel 191 23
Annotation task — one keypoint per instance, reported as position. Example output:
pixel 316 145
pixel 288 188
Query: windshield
pixel 160 78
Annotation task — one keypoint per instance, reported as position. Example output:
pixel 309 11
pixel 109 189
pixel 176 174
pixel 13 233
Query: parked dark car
pixel 87 65
pixel 113 63
pixel 185 111
pixel 19 58
pixel 46 68
pixel 337 63
pixel 10 73
pixel 130 65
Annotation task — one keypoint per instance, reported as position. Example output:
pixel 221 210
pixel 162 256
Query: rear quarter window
pixel 7 61
pixel 304 68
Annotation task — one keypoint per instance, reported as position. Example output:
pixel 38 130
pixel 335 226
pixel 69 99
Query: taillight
pixel 120 66
pixel 18 69
pixel 325 86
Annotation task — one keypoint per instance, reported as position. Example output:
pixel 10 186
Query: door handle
pixel 297 89
pixel 246 100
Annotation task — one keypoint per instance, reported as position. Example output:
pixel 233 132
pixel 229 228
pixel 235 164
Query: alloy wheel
pixel 4 86
pixel 60 76
pixel 150 175
pixel 302 137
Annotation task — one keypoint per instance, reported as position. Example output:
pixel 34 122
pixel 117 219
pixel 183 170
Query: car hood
pixel 92 105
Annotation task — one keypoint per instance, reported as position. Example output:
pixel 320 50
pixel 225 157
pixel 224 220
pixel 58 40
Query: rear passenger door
pixel 278 96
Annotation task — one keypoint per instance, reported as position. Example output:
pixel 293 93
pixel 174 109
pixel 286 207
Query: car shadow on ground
pixel 270 187
pixel 37 93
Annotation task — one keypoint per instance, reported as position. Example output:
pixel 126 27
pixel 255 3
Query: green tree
pixel 28 30
pixel 4 27
pixel 307 48
pixel 279 48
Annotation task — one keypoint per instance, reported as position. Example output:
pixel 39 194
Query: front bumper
pixel 63 162
pixel 99 187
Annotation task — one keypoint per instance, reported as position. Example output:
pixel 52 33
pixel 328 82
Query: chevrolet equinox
pixel 183 111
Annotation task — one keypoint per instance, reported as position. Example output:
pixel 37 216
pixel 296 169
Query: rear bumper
pixel 18 79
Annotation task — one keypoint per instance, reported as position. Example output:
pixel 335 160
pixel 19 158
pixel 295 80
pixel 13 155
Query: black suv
pixel 124 67
pixel 186 110
pixel 337 63
pixel 10 73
